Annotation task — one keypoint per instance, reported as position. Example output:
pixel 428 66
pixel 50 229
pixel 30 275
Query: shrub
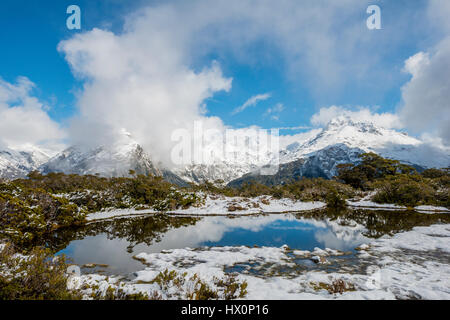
pixel 434 173
pixel 404 190
pixel 117 293
pixel 31 208
pixel 193 288
pixel 337 286
pixel 335 201
pixel 372 167
pixel 34 277
pixel 340 286
pixel 27 213
pixel 232 289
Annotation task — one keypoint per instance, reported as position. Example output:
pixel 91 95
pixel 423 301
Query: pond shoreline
pixel 394 268
pixel 288 205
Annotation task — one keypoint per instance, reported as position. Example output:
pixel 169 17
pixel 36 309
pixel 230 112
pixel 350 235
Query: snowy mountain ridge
pixel 18 163
pixel 341 141
pixel 109 161
pixel 368 137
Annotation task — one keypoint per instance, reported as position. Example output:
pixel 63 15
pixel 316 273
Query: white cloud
pixel 425 106
pixel 24 119
pixel 148 78
pixel 359 114
pixel 138 80
pixel 416 63
pixel 426 97
pixel 251 102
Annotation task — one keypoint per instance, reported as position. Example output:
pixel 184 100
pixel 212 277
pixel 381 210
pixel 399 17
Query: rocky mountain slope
pixel 339 142
pixel 367 136
pixel 104 161
pixel 115 160
pixel 18 163
pixel 322 163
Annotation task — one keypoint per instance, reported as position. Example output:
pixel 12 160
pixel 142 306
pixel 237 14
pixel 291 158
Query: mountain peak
pixel 346 121
pixel 369 137
pixel 341 123
pixel 17 163
pixel 106 160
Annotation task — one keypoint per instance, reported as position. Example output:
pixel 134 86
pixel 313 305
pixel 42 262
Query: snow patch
pixel 221 205
pixel 408 265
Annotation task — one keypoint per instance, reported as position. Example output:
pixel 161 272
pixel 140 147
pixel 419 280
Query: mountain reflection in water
pixel 115 242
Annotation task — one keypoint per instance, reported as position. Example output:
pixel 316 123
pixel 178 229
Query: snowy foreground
pixel 409 265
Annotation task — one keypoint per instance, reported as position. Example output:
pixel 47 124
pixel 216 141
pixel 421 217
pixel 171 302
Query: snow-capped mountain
pixel 219 171
pixel 341 141
pixel 18 163
pixel 228 162
pixel 108 161
pixel 368 137
pixel 317 155
pixel 322 163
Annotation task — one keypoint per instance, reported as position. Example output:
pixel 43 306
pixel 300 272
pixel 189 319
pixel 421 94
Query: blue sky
pixel 30 32
pixel 365 65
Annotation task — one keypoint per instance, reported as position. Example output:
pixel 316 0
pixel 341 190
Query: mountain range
pixel 341 141
pixel 17 163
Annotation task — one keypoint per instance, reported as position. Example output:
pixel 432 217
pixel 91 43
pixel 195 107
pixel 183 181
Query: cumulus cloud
pixel 24 119
pixel 253 101
pixel 416 63
pixel 138 81
pixel 154 76
pixel 360 114
pixel 426 97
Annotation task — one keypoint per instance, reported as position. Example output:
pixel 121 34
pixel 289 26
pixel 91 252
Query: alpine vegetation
pixel 225 150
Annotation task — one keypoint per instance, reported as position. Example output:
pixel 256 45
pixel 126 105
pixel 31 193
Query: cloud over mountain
pixel 153 78
pixel 363 114
pixel 140 81
pixel 155 75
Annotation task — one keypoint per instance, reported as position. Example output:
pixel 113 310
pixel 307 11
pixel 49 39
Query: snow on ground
pixel 431 209
pixel 367 203
pixel 221 205
pixel 414 264
pixel 371 204
pixel 409 265
pixel 102 215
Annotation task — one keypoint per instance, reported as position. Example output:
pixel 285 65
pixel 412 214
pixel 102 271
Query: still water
pixel 114 243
